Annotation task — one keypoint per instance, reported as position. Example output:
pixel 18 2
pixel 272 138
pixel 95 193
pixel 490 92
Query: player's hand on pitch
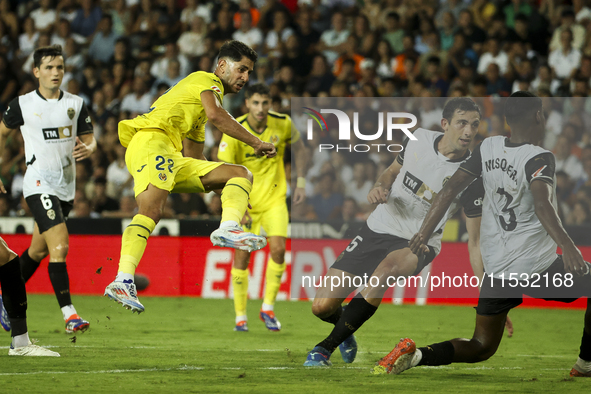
pixel 573 261
pixel 2 188
pixel 266 149
pixel 417 245
pixel 378 195
pixel 509 327
pixel 81 150
pixel 299 195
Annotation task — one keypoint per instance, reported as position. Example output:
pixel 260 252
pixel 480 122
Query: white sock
pixel 583 366
pixel 68 311
pixel 241 318
pixel 416 358
pixel 229 223
pixel 267 307
pixel 122 277
pixel 21 340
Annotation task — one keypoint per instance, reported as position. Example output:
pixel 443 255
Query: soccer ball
pixel 141 281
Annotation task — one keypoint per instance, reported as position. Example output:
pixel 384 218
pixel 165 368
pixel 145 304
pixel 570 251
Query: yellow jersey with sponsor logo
pixel 269 187
pixel 178 112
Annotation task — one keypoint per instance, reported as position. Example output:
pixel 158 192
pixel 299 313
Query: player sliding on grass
pixel 154 142
pixel 519 235
pixel 269 207
pixel 405 192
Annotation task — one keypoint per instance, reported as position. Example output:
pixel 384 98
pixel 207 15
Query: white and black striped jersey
pixel 512 239
pixel 49 128
pixel 423 174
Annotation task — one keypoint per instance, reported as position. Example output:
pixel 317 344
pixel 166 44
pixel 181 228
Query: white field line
pixel 183 368
pixel 192 368
pixel 96 347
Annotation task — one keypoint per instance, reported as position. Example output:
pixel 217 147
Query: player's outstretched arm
pixel 379 193
pixel 299 194
pixel 458 182
pixel 4 133
pixel 546 213
pixel 228 125
pixel 85 146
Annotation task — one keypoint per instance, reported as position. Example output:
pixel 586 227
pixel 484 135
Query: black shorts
pixel 498 296
pixel 48 210
pixel 367 250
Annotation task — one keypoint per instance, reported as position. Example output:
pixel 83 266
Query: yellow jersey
pixel 269 187
pixel 178 113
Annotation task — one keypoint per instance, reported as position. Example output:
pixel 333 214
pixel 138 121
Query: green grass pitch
pixel 186 345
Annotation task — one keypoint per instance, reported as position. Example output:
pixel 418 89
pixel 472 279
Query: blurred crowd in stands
pixel 123 54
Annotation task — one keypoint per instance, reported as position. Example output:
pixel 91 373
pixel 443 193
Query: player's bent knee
pixel 38 255
pixel 154 213
pixel 244 172
pixel 278 254
pixel 59 251
pixel 238 171
pixel 6 255
pixel 323 307
pixel 483 352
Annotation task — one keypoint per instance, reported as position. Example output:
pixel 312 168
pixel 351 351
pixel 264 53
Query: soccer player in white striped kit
pixel 520 231
pixel 404 193
pixel 57 131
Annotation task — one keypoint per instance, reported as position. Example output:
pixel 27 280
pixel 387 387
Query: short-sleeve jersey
pixel 512 239
pixel 49 128
pixel 178 113
pixel 269 187
pixel 423 174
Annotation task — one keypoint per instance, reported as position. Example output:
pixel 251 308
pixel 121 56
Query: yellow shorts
pixel 274 220
pixel 151 158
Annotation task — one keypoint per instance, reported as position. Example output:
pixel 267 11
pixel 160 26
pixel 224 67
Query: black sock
pixel 334 318
pixel 585 352
pixel 14 296
pixel 28 265
pixel 437 354
pixel 355 314
pixel 58 274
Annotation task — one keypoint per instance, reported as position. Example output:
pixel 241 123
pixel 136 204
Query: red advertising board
pixel 191 266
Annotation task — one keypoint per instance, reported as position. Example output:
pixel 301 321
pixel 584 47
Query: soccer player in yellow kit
pixel 268 197
pixel 154 142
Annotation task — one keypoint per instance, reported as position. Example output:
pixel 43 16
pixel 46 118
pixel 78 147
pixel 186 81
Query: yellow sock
pixel 273 281
pixel 240 285
pixel 235 199
pixel 133 243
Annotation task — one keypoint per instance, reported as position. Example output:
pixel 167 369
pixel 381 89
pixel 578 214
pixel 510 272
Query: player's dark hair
pixel 464 104
pixel 51 51
pixel 520 106
pixel 236 50
pixel 259 88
